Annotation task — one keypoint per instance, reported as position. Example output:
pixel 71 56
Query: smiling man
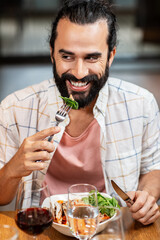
pixel 113 135
pixel 81 61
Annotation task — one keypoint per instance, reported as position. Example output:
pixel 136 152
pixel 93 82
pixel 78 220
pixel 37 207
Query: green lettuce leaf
pixel 103 202
pixel 71 103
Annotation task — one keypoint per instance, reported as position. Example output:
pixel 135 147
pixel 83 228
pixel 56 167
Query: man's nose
pixel 80 70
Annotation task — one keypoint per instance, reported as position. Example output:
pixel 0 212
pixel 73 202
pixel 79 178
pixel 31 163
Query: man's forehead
pixel 86 35
pixel 66 24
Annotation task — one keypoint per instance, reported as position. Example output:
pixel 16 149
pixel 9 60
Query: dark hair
pixel 87 11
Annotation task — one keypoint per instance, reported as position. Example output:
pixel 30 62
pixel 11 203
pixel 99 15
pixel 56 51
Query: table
pixel 133 230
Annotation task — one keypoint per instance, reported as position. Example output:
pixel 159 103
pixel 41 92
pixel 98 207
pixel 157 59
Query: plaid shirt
pixel 127 114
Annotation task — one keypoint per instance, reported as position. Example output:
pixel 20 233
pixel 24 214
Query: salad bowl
pixel 63 228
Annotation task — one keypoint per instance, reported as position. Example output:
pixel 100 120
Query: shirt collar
pixel 102 100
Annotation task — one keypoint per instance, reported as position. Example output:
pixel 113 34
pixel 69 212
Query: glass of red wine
pixel 31 217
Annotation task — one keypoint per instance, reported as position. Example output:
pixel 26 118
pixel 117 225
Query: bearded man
pixel 113 135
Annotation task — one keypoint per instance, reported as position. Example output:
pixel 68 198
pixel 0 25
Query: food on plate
pixel 60 212
pixel 60 208
pixel 70 102
pixel 102 203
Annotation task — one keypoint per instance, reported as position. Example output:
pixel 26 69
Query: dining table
pixel 133 230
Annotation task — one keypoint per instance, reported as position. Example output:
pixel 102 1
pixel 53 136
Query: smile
pixel 78 84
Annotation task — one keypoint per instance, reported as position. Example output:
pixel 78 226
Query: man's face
pixel 80 60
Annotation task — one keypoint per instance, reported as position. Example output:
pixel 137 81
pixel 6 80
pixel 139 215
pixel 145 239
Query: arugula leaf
pixel 103 202
pixel 71 103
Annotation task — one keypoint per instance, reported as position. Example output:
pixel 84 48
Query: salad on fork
pixel 69 103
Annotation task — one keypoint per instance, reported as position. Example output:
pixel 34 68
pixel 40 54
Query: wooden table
pixel 133 230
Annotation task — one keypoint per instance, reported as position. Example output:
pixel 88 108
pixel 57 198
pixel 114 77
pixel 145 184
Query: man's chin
pixel 78 95
pixel 84 102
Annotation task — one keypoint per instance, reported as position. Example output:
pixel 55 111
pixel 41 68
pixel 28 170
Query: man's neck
pixel 80 119
pixel 88 110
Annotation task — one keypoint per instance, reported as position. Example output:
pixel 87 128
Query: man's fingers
pixel 140 200
pixel 40 155
pixel 40 145
pixel 145 209
pixel 152 218
pixel 45 133
pixel 131 194
pixel 33 166
pixel 143 212
pixel 33 148
pixel 150 215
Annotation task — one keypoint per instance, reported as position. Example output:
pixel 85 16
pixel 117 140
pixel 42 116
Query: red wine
pixel 34 220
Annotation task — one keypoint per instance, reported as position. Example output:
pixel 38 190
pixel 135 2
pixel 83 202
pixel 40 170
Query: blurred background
pixel 25 27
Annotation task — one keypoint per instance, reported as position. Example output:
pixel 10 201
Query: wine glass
pixel 31 217
pixel 82 210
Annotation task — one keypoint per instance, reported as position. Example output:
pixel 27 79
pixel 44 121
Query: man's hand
pixel 145 208
pixel 32 149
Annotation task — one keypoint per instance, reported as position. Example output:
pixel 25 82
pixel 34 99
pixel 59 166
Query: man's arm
pixel 24 162
pixel 145 208
pixel 8 185
pixel 150 183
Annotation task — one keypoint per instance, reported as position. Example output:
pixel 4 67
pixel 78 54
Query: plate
pixel 64 229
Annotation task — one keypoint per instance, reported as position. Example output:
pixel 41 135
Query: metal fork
pixel 60 116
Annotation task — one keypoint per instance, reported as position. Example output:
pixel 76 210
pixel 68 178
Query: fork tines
pixel 64 109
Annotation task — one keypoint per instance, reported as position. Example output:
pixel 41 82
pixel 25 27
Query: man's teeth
pixel 78 84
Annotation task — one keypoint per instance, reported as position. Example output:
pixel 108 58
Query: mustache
pixel 70 77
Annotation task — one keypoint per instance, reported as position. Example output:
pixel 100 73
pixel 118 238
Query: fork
pixel 60 116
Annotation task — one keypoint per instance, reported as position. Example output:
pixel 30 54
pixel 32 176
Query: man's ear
pixel 112 54
pixel 51 54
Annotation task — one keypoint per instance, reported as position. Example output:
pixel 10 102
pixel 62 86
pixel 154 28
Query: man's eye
pixel 66 57
pixel 92 58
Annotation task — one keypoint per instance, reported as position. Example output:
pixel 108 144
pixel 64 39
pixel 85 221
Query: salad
pixel 70 102
pixel 103 202
pixel 60 208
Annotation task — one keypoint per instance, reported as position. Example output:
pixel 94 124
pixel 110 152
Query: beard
pixel 83 101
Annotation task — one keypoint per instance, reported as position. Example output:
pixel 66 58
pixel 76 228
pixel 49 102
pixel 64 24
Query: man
pixel 113 135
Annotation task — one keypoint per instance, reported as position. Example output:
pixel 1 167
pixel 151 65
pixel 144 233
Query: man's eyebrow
pixel 96 54
pixel 66 52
